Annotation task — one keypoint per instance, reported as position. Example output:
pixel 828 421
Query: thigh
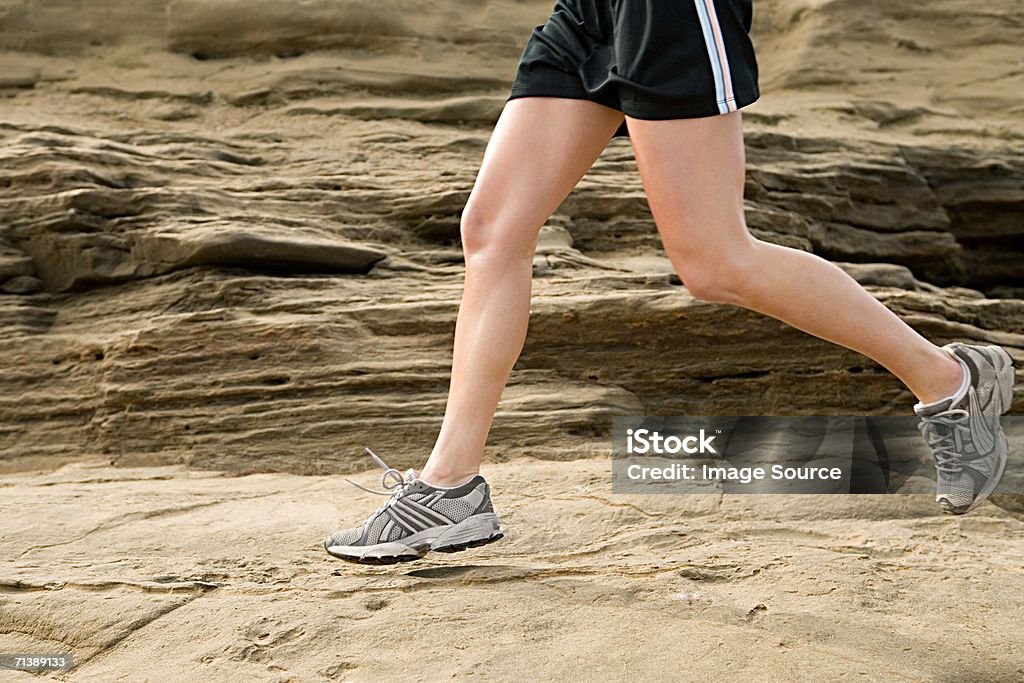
pixel 693 171
pixel 540 149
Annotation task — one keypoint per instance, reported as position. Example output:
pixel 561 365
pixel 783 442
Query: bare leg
pixel 693 173
pixel 540 149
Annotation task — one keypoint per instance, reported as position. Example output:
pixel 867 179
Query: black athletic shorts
pixel 651 59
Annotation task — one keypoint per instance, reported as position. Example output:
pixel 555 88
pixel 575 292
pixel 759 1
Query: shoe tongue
pixel 933 408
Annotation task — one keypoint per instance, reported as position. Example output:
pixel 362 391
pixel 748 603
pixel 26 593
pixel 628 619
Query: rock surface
pixel 230 238
pixel 172 574
pixel 238 305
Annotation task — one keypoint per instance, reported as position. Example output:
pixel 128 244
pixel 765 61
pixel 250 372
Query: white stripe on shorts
pixel 715 43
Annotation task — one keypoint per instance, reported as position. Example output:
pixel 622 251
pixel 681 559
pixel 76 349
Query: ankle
pixel 445 479
pixel 946 376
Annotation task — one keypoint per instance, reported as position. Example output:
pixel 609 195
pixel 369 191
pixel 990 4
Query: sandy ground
pixel 165 574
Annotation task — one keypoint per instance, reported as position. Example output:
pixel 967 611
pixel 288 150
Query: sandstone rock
pixel 14 263
pixel 176 574
pixel 263 285
pixel 21 284
pixel 19 76
pixel 882 275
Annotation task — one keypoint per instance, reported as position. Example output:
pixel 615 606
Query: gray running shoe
pixel 418 518
pixel 963 431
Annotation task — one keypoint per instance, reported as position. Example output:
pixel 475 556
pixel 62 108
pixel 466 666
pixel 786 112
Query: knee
pixel 709 286
pixel 473 231
pixel 484 236
pixel 718 280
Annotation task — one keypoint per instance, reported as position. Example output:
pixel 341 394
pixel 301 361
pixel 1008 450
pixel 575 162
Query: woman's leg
pixel 693 173
pixel 540 149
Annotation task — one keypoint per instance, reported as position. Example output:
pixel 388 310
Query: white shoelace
pixel 397 480
pixel 946 445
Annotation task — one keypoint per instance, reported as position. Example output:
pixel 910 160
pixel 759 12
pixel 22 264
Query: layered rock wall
pixel 229 232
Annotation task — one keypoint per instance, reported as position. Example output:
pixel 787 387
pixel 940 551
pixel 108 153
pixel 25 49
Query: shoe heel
pixel 472 532
pixel 1006 377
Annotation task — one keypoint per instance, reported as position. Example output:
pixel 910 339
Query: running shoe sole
pixel 473 532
